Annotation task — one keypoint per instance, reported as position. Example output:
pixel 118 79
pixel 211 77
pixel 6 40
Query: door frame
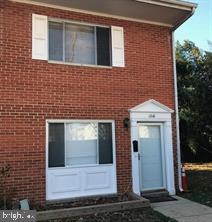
pixel 162 154
pixel 152 111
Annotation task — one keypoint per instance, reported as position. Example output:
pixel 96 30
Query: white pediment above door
pixel 151 106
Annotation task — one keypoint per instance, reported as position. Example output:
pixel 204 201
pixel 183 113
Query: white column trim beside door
pixel 134 159
pixel 169 157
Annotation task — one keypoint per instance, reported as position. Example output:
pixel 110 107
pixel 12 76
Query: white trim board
pixel 151 106
pixel 92 13
pixel 171 4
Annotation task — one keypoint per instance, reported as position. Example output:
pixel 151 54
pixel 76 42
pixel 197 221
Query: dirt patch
pixel 82 202
pixel 135 215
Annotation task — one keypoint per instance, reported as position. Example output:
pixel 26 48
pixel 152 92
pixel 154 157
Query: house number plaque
pixel 151 115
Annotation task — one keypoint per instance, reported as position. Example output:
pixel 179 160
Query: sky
pixel 198 28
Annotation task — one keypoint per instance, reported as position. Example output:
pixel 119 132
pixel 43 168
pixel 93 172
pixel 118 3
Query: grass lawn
pixel 136 215
pixel 199 177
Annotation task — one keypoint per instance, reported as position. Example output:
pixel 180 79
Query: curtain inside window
pixel 103 46
pixel 56 145
pixel 105 143
pixel 56 41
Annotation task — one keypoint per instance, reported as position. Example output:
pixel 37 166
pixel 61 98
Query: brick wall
pixel 33 91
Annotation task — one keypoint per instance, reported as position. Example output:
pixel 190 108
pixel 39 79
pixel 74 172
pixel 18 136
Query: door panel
pixel 151 162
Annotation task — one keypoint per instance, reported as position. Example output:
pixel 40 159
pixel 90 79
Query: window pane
pixel 81 143
pixel 105 143
pixel 56 41
pixel 79 44
pixel 56 145
pixel 103 46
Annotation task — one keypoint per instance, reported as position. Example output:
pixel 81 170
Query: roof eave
pixel 182 20
pixel 189 6
pixel 186 8
pixel 171 3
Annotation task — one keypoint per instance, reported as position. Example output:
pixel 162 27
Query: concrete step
pixel 155 194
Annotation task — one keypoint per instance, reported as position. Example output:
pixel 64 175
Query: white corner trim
pixel 31 2
pixel 154 102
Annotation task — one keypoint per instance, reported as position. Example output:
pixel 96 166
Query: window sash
pixel 56 140
pixel 79 44
pixel 98 162
pixel 95 42
pixel 56 41
pixel 72 141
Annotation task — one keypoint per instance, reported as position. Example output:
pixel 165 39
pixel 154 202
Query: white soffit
pixel 162 12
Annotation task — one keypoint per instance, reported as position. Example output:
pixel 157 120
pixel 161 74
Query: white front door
pixel 151 150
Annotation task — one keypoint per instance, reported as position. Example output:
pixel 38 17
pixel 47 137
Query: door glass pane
pixel 79 44
pixel 81 143
pixel 151 157
pixel 105 143
pixel 56 145
pixel 56 41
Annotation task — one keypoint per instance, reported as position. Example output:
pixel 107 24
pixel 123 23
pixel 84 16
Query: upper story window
pixel 82 44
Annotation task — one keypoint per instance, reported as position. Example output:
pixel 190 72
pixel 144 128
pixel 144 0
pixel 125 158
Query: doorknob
pixel 139 156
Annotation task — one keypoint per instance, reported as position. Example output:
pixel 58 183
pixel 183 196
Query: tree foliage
pixel 194 71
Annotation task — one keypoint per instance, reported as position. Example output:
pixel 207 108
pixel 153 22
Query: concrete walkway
pixel 184 210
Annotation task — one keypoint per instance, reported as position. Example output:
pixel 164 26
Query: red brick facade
pixel 33 91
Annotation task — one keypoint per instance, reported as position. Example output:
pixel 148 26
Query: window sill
pixel 77 64
pixel 81 166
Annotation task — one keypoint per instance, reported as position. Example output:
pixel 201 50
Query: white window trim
pixel 79 64
pixel 51 19
pixel 79 121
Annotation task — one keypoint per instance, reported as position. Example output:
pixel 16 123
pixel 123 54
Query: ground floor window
pixel 80 143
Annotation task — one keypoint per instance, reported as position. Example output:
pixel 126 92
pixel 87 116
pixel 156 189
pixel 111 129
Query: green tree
pixel 194 73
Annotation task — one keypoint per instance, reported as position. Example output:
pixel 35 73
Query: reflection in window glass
pixel 79 44
pixel 81 143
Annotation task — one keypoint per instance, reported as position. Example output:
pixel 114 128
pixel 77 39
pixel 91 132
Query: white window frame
pixel 64 21
pixel 80 121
